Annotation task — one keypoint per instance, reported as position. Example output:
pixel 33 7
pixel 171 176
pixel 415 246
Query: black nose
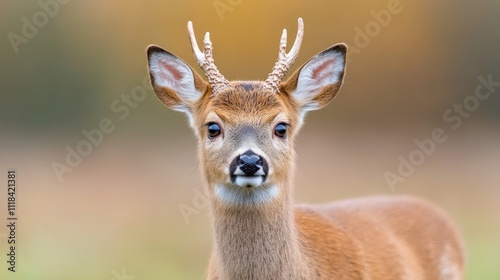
pixel 249 163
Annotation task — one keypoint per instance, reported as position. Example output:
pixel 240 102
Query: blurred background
pixel 114 211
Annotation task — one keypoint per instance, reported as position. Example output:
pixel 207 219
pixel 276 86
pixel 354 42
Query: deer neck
pixel 257 242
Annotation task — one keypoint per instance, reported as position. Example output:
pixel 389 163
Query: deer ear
pixel 317 82
pixel 174 82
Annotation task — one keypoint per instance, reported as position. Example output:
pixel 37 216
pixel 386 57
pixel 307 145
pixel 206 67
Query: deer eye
pixel 213 130
pixel 280 130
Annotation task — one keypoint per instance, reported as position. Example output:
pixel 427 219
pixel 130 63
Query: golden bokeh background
pixel 116 214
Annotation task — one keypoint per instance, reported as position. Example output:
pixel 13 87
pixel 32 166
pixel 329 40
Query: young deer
pixel 246 132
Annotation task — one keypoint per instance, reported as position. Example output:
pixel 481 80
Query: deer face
pixel 246 138
pixel 246 130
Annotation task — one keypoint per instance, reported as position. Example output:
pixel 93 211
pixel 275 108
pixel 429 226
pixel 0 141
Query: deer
pixel 246 132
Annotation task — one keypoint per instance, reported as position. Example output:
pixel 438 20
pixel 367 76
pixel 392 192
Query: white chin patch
pixel 241 195
pixel 249 181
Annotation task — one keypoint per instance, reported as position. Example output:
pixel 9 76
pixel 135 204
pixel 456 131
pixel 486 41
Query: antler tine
pixel 285 60
pixel 200 58
pixel 294 52
pixel 206 61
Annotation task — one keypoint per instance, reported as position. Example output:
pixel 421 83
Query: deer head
pixel 246 129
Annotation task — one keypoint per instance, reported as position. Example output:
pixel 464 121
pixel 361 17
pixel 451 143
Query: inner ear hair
pixel 318 81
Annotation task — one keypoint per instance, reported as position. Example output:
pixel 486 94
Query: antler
pixel 206 61
pixel 285 60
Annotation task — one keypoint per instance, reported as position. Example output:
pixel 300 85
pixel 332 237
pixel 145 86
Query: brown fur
pixel 369 238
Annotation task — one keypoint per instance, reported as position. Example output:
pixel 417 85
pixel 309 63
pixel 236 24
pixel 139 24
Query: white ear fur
pixel 171 72
pixel 325 69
